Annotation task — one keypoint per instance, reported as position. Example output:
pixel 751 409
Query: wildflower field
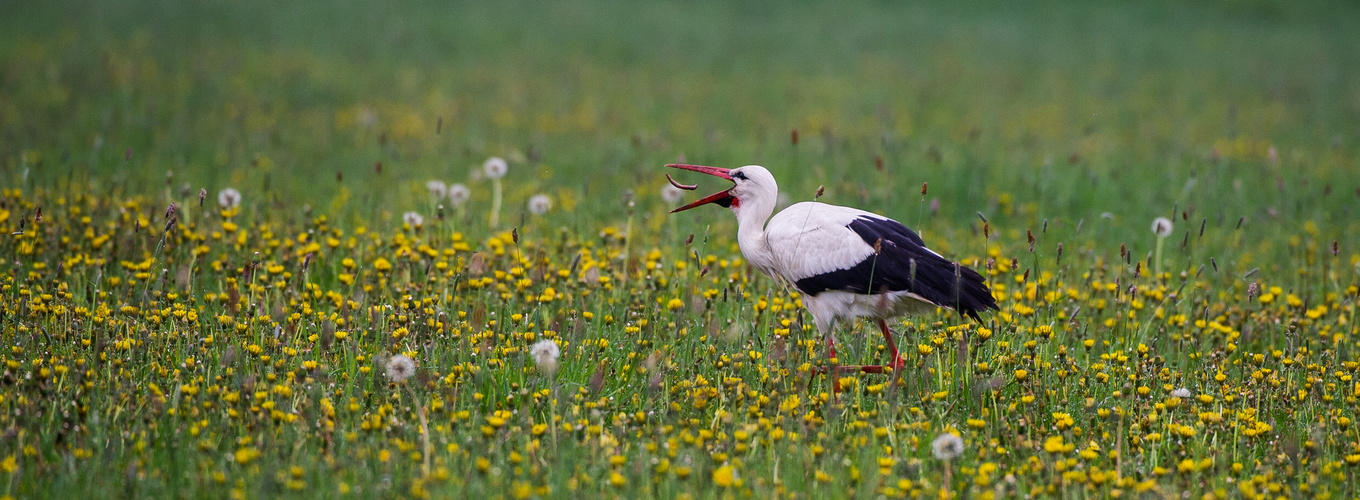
pixel 410 249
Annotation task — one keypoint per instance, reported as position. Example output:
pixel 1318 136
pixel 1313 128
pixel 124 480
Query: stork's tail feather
pixel 972 295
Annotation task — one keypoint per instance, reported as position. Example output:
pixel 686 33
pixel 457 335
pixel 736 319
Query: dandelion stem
pixel 424 433
pixel 1157 258
pixel 495 202
pixel 627 242
pixel 947 487
pixel 552 411
pixel 920 212
pixel 1119 450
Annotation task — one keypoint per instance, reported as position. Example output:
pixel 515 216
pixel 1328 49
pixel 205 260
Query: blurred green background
pixel 1078 121
pixel 1027 109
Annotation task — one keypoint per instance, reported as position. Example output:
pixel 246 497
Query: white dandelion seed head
pixel 495 167
pixel 1162 226
pixel 671 194
pixel 400 368
pixel 367 117
pixel 539 204
pixel 947 446
pixel 458 194
pixel 545 353
pixel 437 188
pixel 413 218
pixel 1182 393
pixel 229 198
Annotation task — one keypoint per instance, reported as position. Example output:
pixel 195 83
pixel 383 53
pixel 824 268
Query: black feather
pixel 903 264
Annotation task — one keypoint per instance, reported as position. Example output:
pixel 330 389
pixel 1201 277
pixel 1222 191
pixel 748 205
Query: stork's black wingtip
pixel 974 312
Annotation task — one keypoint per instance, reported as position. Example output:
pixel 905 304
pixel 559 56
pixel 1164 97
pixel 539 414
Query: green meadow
pixel 227 269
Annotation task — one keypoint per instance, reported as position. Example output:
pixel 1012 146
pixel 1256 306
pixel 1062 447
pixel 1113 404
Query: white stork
pixel 847 263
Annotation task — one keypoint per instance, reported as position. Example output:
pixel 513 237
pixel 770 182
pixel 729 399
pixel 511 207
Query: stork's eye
pixel 739 175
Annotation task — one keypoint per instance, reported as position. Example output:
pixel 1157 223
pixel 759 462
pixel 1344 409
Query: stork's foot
pixel 822 370
pixel 834 375
pixel 876 369
pixel 897 364
pixel 839 369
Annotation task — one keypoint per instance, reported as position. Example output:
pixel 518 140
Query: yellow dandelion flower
pixel 725 477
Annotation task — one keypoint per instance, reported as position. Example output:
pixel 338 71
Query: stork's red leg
pixel 835 370
pixel 832 368
pixel 897 362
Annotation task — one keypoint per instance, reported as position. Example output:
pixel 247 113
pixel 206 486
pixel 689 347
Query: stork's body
pixel 847 263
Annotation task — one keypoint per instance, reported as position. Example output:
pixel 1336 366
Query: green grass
pixel 204 359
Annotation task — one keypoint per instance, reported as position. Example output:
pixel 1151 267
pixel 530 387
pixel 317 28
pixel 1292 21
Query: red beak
pixel 722 198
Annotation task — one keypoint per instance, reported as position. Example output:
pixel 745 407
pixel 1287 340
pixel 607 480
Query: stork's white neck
pixel 752 212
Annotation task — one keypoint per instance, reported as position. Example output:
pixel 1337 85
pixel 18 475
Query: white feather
pixel 811 238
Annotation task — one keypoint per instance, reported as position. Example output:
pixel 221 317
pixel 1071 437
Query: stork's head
pixel 753 186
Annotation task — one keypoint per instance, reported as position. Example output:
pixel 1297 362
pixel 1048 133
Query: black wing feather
pixel 903 264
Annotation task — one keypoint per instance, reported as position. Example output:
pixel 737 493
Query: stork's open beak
pixel 722 198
